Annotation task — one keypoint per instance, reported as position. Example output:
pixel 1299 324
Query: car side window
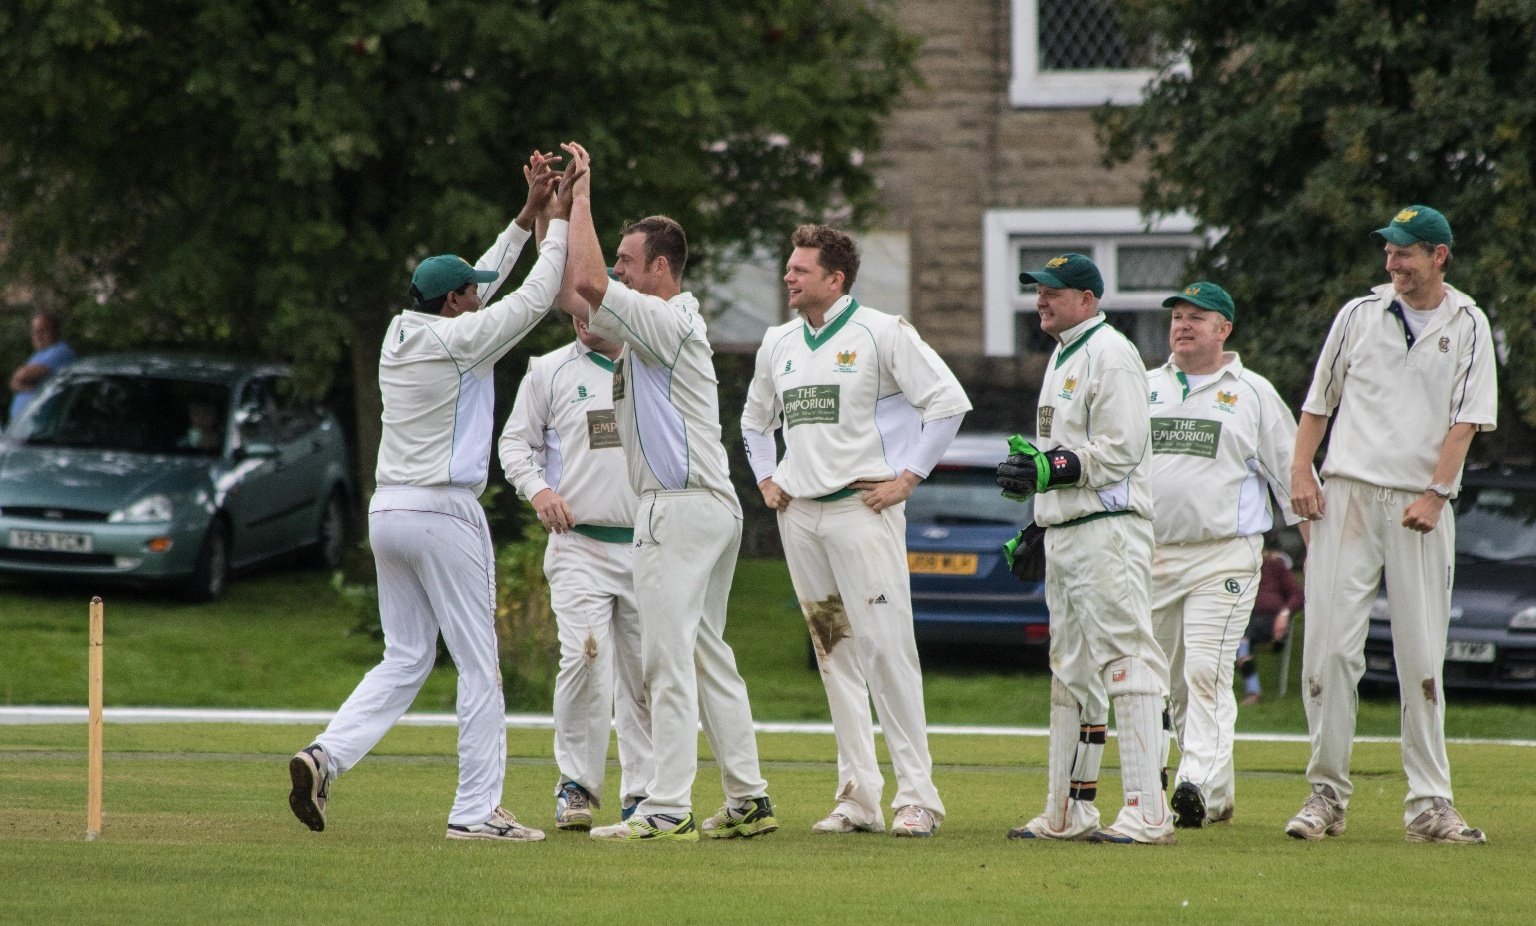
pixel 296 414
pixel 258 413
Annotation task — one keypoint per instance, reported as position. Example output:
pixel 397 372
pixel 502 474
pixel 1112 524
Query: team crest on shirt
pixel 1226 401
pixel 1068 387
pixel 845 361
pixel 1232 587
pixel 1445 344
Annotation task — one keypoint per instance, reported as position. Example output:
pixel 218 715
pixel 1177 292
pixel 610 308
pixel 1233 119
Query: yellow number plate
pixel 944 564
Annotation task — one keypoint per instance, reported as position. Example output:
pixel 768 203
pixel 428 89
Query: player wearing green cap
pixel 1221 446
pixel 1407 377
pixel 436 567
pixel 1095 500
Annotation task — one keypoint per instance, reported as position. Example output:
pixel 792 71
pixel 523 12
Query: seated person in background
pixel 204 432
pixel 1279 597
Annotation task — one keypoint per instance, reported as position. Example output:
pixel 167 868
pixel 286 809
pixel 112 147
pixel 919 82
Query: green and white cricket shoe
pixel 654 828
pixel 754 818
pixel 310 772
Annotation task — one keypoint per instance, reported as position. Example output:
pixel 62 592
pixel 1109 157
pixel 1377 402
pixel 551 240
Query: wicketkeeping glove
pixel 1029 469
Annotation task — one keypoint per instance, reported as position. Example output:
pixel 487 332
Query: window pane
pixel 1078 35
pixel 1150 269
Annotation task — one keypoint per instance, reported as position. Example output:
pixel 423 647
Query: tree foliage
pixel 1300 126
pixel 262 174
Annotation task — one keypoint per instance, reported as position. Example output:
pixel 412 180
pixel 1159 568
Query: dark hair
pixel 663 238
pixel 54 325
pixel 836 251
pixel 1428 247
pixel 435 306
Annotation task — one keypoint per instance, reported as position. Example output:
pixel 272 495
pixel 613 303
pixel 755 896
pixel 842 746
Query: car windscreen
pixel 133 413
pixel 957 495
pixel 1496 522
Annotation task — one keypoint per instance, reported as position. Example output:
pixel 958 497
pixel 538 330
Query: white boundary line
pixel 78 715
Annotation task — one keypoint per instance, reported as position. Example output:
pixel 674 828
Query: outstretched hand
pixel 569 183
pixel 541 176
pixel 579 156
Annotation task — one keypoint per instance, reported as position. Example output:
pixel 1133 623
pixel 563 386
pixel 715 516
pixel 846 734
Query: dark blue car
pixel 957 523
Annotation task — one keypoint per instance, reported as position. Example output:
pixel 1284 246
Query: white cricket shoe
pixel 310 772
pixel 912 820
pixel 1441 823
pixel 838 823
pixel 573 808
pixel 1321 815
pixel 502 827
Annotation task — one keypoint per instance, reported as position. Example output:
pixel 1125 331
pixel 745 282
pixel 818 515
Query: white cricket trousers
pixel 1098 587
pixel 848 564
pixel 1202 594
pixel 1359 536
pixel 685 558
pixel 592 592
pixel 436 573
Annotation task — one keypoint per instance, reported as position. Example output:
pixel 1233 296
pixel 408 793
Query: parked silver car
pixel 163 469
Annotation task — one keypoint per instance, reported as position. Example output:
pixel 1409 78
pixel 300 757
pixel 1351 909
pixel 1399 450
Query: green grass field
pixel 197 830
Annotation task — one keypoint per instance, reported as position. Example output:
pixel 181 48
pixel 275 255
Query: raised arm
pixel 586 271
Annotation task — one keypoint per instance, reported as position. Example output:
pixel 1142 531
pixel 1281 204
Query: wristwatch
pixel 1440 489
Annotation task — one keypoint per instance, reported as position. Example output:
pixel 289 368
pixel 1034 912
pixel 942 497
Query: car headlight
pixel 1524 620
pixel 148 508
pixel 1379 610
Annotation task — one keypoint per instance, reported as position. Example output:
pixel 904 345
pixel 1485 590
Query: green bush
pixel 525 623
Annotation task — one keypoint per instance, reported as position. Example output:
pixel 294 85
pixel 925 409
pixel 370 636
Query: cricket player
pixel 1221 445
pixel 561 452
pixel 687 523
pixel 1095 499
pixel 1407 375
pixel 866 409
pixel 436 568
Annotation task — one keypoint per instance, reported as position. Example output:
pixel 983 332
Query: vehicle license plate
pixel 943 564
pixel 55 541
pixel 1468 651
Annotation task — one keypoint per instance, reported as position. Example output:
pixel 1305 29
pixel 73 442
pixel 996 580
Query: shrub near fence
pixel 525 623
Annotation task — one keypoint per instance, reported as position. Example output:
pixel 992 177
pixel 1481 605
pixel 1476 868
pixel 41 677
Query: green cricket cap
pixel 444 273
pixel 1069 271
pixel 1417 223
pixel 1204 294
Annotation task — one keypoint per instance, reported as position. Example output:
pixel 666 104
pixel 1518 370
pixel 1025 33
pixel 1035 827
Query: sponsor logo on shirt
pixel 1226 401
pixel 1232 587
pixel 581 393
pixel 618 381
pixel 1046 414
pixel 1068 387
pixel 602 429
pixel 811 405
pixel 789 366
pixel 1193 437
pixel 1153 397
pixel 845 361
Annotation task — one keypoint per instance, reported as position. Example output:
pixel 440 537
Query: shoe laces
pixel 575 797
pixel 1317 805
pixel 911 816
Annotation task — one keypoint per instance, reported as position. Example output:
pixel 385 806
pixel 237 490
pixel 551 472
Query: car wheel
pixel 210 576
pixel 331 538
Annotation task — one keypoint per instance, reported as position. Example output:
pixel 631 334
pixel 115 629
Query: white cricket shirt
pixel 562 434
pixel 665 392
pixel 435 373
pixel 1093 402
pixel 1219 450
pixel 1392 397
pixel 851 398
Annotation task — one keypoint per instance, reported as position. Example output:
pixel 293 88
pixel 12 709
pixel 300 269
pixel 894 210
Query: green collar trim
pixel 829 330
pixel 1071 349
pixel 1183 381
pixel 600 360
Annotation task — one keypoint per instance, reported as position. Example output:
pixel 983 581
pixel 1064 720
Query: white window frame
pixel 1032 87
pixel 1004 231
